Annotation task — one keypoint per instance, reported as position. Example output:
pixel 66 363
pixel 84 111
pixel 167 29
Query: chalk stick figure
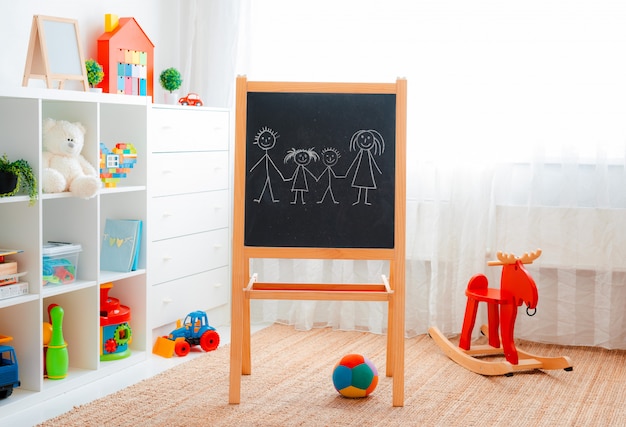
pixel 330 157
pixel 365 141
pixel 302 157
pixel 265 139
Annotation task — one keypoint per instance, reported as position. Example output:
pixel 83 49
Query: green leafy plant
pixel 170 79
pixel 21 174
pixel 95 72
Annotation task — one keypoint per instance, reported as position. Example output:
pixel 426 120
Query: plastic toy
pixel 64 167
pixel 517 287
pixel 57 358
pixel 115 331
pixel 9 372
pixel 127 56
pixel 192 99
pixel 115 164
pixel 57 271
pixel 355 376
pixel 60 262
pixel 194 330
pixel 46 329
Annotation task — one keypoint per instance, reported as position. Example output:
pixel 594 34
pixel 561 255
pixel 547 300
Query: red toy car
pixel 192 99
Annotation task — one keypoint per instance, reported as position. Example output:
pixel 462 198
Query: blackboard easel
pixel 319 174
pixel 54 53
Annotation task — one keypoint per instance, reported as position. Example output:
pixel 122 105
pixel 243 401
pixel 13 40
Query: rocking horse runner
pixel 517 287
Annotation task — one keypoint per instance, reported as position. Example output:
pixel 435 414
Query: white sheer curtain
pixel 209 41
pixel 517 141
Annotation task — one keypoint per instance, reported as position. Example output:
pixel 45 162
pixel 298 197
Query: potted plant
pixel 16 176
pixel 95 73
pixel 171 81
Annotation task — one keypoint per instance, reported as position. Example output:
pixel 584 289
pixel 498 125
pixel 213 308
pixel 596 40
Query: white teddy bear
pixel 64 167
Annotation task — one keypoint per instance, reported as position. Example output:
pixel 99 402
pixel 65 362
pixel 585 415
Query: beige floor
pixel 63 403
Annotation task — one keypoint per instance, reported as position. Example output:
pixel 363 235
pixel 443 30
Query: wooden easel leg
pixel 395 334
pixel 234 395
pixel 398 377
pixel 236 343
pixel 246 367
pixel 389 367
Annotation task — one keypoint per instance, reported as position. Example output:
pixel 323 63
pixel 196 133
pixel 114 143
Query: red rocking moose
pixel 517 287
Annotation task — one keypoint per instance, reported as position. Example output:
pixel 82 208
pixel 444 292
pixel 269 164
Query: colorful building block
pixel 115 164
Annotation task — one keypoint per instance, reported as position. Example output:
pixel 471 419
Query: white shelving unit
pixel 61 217
pixel 189 213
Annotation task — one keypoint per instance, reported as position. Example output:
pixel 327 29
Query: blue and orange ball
pixel 355 376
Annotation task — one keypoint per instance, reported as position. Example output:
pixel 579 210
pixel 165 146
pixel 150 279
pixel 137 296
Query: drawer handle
pixel 218 285
pixel 167 300
pixel 167 258
pixel 167 171
pixel 217 246
pixel 167 214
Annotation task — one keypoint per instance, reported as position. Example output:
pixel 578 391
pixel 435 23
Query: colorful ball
pixel 355 376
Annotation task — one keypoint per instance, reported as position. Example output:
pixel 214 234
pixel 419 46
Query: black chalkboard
pixel 320 170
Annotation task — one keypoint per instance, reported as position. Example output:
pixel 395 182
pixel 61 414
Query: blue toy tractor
pixel 8 368
pixel 194 330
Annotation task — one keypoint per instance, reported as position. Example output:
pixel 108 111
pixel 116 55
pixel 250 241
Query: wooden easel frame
pixel 42 60
pixel 245 286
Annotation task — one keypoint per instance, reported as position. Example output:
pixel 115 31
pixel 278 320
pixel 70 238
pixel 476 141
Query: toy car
pixel 8 368
pixel 192 99
pixel 194 330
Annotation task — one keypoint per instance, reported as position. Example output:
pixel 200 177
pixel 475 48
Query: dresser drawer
pixel 174 300
pixel 172 216
pixel 182 256
pixel 179 173
pixel 189 129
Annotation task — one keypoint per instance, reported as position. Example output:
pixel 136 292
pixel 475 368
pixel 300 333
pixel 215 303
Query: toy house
pixel 127 56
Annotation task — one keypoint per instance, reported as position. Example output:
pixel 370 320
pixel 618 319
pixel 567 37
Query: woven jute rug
pixel 291 385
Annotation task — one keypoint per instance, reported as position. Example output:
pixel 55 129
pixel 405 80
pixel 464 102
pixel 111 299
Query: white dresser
pixel 189 211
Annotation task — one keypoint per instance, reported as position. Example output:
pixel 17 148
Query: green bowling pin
pixel 57 360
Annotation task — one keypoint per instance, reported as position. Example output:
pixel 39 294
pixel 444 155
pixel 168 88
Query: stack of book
pixel 10 282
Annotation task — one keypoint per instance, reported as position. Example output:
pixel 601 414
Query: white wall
pixel 158 19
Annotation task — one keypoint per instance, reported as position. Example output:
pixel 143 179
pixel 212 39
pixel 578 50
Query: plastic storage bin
pixel 60 263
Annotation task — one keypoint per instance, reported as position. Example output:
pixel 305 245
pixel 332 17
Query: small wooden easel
pixel 54 53
pixel 517 288
pixel 279 214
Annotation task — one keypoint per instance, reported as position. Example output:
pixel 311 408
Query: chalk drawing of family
pixel 266 140
pixel 369 143
pixel 366 143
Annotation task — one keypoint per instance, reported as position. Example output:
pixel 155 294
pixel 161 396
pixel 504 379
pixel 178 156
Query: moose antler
pixel 504 259
pixel 528 258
